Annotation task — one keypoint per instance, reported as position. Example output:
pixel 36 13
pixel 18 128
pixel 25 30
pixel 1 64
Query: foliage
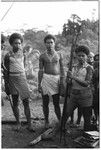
pixel 89 32
pixel 35 39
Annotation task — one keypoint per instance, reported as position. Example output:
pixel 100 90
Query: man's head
pixel 91 58
pixel 96 57
pixel 57 46
pixel 82 53
pixel 49 41
pixel 27 49
pixel 96 61
pixel 3 39
pixel 16 41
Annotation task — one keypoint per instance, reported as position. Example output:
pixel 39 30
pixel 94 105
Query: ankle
pixel 18 123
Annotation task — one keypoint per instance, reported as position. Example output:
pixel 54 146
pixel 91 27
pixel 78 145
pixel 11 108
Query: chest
pixel 51 58
pixel 16 60
pixel 80 72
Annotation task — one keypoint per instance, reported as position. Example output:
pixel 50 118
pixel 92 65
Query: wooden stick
pixel 41 136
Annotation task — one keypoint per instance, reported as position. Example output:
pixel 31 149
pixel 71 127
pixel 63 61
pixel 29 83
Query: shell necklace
pixel 50 55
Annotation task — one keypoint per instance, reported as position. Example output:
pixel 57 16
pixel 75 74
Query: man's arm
pixel 62 73
pixel 6 73
pixel 40 73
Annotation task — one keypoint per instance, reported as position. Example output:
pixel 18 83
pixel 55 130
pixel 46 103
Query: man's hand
pixel 69 74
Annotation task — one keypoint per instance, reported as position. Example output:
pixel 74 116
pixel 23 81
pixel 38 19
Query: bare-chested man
pixel 50 77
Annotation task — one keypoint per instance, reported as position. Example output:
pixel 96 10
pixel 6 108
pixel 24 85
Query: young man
pixel 15 78
pixel 3 95
pixel 50 77
pixel 95 81
pixel 91 58
pixel 90 61
pixel 81 93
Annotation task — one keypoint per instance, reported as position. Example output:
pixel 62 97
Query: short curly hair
pixel 15 36
pixel 49 36
pixel 96 57
pixel 83 49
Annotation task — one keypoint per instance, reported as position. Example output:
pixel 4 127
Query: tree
pixel 72 26
pixel 35 39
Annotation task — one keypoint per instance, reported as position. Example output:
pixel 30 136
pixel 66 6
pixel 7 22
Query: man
pixel 95 81
pixel 16 80
pixel 3 94
pixel 81 93
pixel 91 58
pixel 50 77
pixel 96 61
pixel 90 61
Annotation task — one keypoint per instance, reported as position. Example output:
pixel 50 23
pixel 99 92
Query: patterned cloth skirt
pixel 18 85
pixel 50 84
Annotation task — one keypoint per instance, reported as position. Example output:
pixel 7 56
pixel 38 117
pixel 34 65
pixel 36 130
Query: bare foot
pixel 30 128
pixel 18 128
pixel 47 125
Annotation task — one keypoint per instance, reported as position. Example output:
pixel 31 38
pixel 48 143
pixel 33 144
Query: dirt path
pixel 13 139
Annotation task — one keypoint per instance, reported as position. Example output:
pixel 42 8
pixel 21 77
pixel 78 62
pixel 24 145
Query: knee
pixel 56 106
pixel 25 102
pixel 45 101
pixel 15 99
pixel 45 105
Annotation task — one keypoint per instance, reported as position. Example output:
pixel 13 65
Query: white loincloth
pixel 50 84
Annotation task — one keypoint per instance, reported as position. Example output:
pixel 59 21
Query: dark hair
pixel 15 36
pixel 95 57
pixel 83 49
pixel 49 36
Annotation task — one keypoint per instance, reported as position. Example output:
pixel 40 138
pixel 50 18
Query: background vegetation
pixel 88 31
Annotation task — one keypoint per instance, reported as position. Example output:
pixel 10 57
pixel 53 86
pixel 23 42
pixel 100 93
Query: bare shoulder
pixel 43 55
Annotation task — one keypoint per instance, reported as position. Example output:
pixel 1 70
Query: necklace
pixel 50 56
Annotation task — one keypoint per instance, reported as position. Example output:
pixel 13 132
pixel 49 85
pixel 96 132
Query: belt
pixel 15 72
pixel 81 91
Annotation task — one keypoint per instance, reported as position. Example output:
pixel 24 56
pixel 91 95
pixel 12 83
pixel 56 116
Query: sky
pixel 47 16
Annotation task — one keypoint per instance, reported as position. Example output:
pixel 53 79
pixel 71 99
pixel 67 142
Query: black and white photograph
pixel 50 56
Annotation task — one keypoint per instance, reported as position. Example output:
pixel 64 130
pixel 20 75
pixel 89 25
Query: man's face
pixel 82 57
pixel 2 46
pixel 50 44
pixel 90 58
pixel 17 45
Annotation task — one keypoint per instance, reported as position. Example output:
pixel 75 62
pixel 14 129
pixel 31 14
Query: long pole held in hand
pixel 68 86
pixel 62 127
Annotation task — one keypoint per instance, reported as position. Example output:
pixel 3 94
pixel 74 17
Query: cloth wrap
pixel 16 78
pixel 18 85
pixel 50 84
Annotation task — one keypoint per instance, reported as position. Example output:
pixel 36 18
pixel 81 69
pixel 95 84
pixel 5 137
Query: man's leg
pixel 79 115
pixel 87 111
pixel 15 99
pixel 27 113
pixel 46 108
pixel 56 106
pixel 71 106
pixel 72 118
